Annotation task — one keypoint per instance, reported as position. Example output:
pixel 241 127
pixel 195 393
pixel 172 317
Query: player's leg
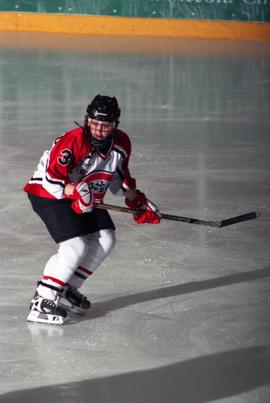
pixel 58 271
pixel 100 245
pixel 68 229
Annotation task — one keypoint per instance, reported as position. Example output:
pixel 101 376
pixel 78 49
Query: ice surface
pixel 180 312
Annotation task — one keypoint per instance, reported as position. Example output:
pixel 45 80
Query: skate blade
pixel 39 317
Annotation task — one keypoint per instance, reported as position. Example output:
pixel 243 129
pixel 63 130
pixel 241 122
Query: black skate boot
pixel 44 310
pixel 72 300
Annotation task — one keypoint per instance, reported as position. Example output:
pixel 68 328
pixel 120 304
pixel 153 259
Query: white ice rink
pixel 180 312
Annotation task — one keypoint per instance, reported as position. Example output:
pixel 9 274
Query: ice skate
pixel 44 310
pixel 72 300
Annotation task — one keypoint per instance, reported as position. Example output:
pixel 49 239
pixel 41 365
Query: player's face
pixel 100 130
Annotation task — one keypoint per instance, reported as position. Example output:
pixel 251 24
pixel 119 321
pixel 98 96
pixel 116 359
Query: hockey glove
pixel 83 200
pixel 151 215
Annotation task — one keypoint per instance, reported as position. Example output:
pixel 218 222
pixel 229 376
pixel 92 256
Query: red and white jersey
pixel 73 159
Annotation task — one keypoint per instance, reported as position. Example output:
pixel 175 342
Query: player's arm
pixel 59 164
pixel 136 200
pixel 122 180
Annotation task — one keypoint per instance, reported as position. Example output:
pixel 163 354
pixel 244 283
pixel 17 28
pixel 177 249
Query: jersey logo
pixel 98 186
pixel 65 157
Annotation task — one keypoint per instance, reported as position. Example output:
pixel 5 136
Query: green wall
pixel 238 10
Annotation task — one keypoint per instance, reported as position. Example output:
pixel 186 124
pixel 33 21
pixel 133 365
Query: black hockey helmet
pixel 104 108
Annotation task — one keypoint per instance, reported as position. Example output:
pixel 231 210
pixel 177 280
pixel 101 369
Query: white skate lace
pixel 49 305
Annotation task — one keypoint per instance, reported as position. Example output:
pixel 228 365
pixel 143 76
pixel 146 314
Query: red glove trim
pixel 147 217
pixel 83 201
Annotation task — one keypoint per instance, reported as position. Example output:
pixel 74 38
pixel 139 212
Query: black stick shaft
pixel 189 220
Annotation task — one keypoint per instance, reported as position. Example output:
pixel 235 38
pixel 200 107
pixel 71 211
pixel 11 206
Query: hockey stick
pixel 218 224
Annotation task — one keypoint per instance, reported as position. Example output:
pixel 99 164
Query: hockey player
pixel 69 181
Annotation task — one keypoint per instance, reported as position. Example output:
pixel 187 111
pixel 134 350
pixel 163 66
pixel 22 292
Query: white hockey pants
pixel 76 259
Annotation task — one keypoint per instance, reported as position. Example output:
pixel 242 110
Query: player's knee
pixel 73 250
pixel 107 240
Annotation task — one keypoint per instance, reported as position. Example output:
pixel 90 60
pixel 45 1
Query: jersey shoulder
pixel 122 140
pixel 74 134
pixel 74 139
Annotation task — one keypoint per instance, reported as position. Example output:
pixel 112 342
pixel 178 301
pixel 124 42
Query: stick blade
pixel 240 218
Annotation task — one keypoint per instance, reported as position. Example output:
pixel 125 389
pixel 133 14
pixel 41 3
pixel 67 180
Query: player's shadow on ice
pixel 201 379
pixel 102 308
